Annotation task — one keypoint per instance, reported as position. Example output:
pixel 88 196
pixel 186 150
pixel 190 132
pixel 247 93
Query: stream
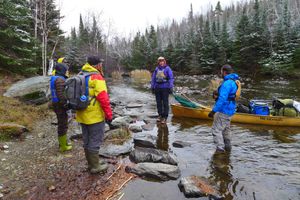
pixel 264 162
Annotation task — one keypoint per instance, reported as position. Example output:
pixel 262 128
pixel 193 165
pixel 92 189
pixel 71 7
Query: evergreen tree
pixel 242 49
pixel 16 46
pixel 83 34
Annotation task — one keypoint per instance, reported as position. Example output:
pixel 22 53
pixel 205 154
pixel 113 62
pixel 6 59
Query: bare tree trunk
pixel 36 19
pixel 43 52
pixel 45 36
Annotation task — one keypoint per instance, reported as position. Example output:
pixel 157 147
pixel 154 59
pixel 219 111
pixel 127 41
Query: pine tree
pixel 242 49
pixel 16 46
pixel 83 35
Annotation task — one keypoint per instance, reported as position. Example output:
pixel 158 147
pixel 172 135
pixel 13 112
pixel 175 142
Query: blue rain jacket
pixel 227 90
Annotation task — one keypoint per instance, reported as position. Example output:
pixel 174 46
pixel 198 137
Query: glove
pixel 170 90
pixel 215 95
pixel 211 114
pixel 108 121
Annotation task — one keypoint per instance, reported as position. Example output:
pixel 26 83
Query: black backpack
pixel 77 91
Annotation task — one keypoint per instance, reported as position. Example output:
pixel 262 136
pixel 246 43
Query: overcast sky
pixel 128 16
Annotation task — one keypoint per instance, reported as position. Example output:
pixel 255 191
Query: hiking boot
pixel 94 163
pixel 163 121
pixel 63 144
pixel 101 161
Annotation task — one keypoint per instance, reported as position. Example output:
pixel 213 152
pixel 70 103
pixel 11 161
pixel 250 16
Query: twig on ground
pixel 114 172
pixel 119 187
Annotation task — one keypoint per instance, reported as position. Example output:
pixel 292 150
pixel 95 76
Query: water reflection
pixel 220 170
pixel 162 137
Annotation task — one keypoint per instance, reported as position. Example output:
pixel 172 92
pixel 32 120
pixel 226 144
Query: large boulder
pixel 33 90
pixel 195 186
pixel 152 155
pixel 148 141
pixel 160 171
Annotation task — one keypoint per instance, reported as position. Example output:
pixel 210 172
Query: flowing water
pixel 264 162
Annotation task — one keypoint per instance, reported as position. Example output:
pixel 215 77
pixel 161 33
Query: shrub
pixel 140 76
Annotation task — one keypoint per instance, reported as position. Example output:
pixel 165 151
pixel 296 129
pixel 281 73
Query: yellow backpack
pixel 239 90
pixel 237 93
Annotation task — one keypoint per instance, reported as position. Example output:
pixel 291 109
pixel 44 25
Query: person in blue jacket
pixel 224 109
pixel 162 84
pixel 59 104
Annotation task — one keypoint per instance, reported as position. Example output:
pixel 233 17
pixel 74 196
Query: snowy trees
pixel 255 35
pixel 29 31
pixel 16 46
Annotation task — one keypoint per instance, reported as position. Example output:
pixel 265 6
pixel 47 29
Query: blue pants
pixel 92 136
pixel 162 101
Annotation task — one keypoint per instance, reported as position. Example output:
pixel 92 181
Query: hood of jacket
pixel 88 68
pixel 232 76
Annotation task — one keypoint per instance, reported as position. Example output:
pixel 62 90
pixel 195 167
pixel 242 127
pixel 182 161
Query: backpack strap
pixel 85 81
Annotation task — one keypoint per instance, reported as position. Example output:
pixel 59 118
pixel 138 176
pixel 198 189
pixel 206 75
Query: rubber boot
pixel 87 159
pixel 63 146
pixel 95 166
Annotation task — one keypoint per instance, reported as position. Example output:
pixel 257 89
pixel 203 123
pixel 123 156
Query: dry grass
pixel 119 136
pixel 140 76
pixel 116 75
pixel 15 111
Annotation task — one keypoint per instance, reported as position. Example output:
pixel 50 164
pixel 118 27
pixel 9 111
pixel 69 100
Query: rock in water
pixel 121 121
pixel 134 105
pixel 181 144
pixel 152 155
pixel 33 89
pixel 148 127
pixel 194 186
pixel 158 171
pixel 147 141
pixel 12 130
pixel 112 150
pixel 135 128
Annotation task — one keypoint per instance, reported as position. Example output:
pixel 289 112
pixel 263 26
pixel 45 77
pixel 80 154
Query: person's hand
pixel 215 95
pixel 50 105
pixel 67 106
pixel 170 90
pixel 211 114
pixel 108 121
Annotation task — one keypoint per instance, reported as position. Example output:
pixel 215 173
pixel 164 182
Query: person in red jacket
pixel 92 119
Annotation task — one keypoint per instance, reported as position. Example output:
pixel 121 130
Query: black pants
pixel 62 119
pixel 162 101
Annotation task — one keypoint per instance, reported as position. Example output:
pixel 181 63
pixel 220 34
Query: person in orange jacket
pixel 93 118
